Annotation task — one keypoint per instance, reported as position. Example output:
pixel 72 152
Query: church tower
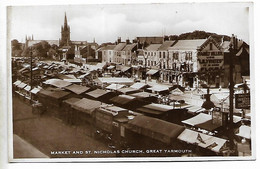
pixel 65 33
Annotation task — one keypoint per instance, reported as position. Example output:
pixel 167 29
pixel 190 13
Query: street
pixel 49 134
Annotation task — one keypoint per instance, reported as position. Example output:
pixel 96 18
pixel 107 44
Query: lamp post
pixel 145 58
pixel 31 52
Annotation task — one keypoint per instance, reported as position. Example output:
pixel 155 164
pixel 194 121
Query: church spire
pixel 65 20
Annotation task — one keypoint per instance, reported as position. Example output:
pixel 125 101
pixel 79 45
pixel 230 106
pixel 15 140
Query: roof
pixel 122 99
pixel 17 82
pixel 138 85
pixel 153 47
pixel 244 131
pixel 155 128
pixel 127 90
pixel 57 83
pixel 143 95
pixel 119 46
pixel 116 80
pixel 150 39
pixel 200 118
pixel 152 72
pixel 115 86
pixel 35 90
pixel 86 105
pixel 129 47
pixel 97 93
pixel 158 88
pixel 114 110
pixel 166 45
pixel 225 46
pixel 71 101
pixel 205 141
pixel 109 47
pixel 155 109
pixel 78 89
pixel 125 68
pixel 57 94
pixel 73 80
pixel 27 88
pixel 188 44
pixel 22 85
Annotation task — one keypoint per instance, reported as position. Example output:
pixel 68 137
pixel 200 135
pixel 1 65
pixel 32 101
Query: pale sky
pixel 107 22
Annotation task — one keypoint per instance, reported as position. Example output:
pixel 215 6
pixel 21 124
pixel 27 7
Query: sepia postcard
pixel 130 82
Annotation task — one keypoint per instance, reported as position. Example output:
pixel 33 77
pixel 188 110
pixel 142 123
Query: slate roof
pixel 153 47
pixel 166 45
pixel 188 44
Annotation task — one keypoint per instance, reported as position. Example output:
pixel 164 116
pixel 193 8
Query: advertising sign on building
pixel 242 101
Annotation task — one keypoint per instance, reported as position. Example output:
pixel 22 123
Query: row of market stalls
pixel 80 104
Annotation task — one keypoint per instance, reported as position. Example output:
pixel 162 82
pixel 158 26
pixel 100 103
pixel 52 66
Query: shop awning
pixel 35 90
pixel 177 91
pixel 127 90
pixel 159 88
pixel 27 88
pixel 200 118
pixel 125 68
pixel 138 85
pixel 57 94
pixel 17 82
pixel 122 99
pixel 143 95
pixel 78 89
pixel 71 101
pixel 115 86
pixel 86 105
pixel 152 72
pixel 57 83
pixel 111 67
pixel 205 141
pixel 97 93
pixel 155 128
pixel 73 80
pixel 84 75
pixel 155 109
pixel 244 131
pixel 21 85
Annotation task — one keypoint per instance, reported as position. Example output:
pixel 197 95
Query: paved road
pixel 23 149
pixel 50 135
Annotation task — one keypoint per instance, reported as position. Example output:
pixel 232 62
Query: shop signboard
pixel 242 101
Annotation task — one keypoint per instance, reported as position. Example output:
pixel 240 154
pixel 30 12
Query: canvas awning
pixel 122 99
pixel 200 118
pixel 86 105
pixel 127 90
pixel 155 109
pixel 17 82
pixel 35 90
pixel 155 128
pixel 84 75
pixel 114 86
pixel 205 141
pixel 244 131
pixel 138 85
pixel 125 68
pixel 159 88
pixel 21 85
pixel 57 94
pixel 71 101
pixel 27 88
pixel 143 95
pixel 111 67
pixel 152 72
pixel 78 89
pixel 73 80
pixel 57 83
pixel 97 93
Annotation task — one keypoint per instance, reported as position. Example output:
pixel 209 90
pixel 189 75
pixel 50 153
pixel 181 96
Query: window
pixel 210 46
